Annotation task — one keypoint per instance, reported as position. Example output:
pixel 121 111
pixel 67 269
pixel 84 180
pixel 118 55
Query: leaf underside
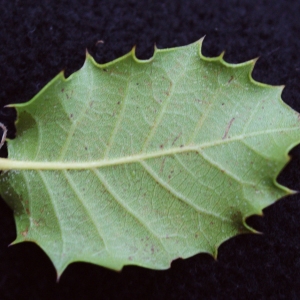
pixel 142 162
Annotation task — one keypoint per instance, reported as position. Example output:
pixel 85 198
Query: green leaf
pixel 142 162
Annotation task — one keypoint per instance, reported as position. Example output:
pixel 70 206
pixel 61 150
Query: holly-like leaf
pixel 142 162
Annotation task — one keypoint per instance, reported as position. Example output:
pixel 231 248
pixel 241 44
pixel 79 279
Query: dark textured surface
pixel 39 40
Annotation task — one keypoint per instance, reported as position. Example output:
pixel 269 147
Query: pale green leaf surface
pixel 142 162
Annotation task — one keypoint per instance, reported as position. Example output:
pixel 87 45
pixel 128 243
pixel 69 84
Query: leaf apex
pixel 133 50
pixel 18 240
pixel 60 269
pixel 215 253
pixel 253 64
pixel 11 105
pixel 221 56
pixel 87 54
pixel 254 60
pixel 59 272
pixel 200 41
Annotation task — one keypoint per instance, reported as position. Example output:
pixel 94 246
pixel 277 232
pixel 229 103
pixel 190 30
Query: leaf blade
pixel 141 162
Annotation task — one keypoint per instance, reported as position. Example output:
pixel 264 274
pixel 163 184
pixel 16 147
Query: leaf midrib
pixel 8 164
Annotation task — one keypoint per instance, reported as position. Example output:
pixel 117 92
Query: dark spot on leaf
pixel 62 90
pixel 85 148
pixel 161 146
pixel 71 115
pixel 118 102
pixel 105 70
pixel 231 78
pixel 181 146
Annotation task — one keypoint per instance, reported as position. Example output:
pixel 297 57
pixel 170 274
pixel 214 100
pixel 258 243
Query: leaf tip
pixel 200 41
pixel 59 270
pixel 13 243
pixel 133 50
pixel 11 105
pixel 89 59
pixel 221 55
pixel 87 54
pixel 281 88
pixel 58 276
pixel 214 254
pixel 291 192
pixel 62 74
pixel 254 60
pixel 18 240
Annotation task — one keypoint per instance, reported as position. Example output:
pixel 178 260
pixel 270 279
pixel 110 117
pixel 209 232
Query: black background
pixel 40 38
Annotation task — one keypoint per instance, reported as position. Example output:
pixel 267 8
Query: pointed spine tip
pixel 58 275
pixel 87 54
pixel 133 50
pixel 254 60
pixel 11 105
pixel 215 254
pixel 15 242
pixel 292 192
pixel 62 74
pixel 222 55
pixel 201 40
